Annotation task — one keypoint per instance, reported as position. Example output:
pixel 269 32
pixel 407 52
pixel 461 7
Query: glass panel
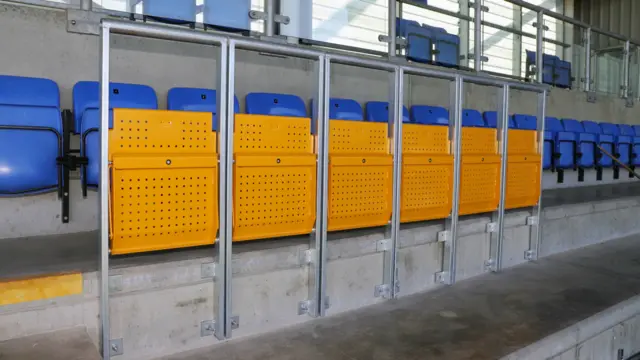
pixel 355 23
pixel 607 63
pixel 634 72
pixel 227 15
pixel 497 44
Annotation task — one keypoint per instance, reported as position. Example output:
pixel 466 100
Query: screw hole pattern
pixel 357 137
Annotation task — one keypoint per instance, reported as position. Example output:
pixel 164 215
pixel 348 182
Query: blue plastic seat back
pixel 171 10
pixel 563 73
pixel 606 139
pixel 86 97
pixel 586 144
pixel 591 127
pixel 345 109
pixel 491 119
pixel 561 142
pixel 623 142
pixel 626 130
pixel 28 156
pixel 472 118
pixel 530 56
pixel 194 99
pixel 635 137
pixel 548 66
pixel 429 115
pixel 525 122
pixel 553 124
pixel 275 105
pixel 419 40
pixel 378 111
pixel 447 48
pixel 636 130
pixel 228 14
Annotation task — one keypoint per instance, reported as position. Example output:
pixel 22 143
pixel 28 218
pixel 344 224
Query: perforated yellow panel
pixel 426 188
pixel 479 184
pixel 360 191
pixel 274 177
pixel 478 141
pixel 356 137
pixel 427 173
pixel 480 171
pixel 523 142
pixel 425 139
pixel 360 175
pixel 523 181
pixel 164 180
pixel 523 169
pixel 261 134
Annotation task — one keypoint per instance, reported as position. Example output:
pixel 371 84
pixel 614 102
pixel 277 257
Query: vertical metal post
pixel 477 36
pixel 105 330
pixel 535 221
pixel 390 286
pixel 516 53
pixel 587 60
pixel 625 69
pixel 226 114
pixel 86 5
pixel 497 227
pixel 269 24
pixel 450 235
pixel 315 304
pixel 464 33
pixel 539 46
pixel 392 28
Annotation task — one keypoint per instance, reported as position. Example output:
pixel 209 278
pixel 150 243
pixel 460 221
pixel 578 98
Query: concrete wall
pixel 35 42
pixel 159 307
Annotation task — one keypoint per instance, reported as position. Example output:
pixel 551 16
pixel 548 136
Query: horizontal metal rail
pixel 485 23
pixel 570 20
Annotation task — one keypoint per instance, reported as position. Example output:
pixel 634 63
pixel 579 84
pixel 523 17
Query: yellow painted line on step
pixel 40 288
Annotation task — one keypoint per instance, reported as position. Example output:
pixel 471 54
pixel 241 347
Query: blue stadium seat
pixel 429 115
pixel 559 145
pixel 30 135
pixel 183 11
pixel 419 40
pixel 491 120
pixel 472 118
pixel 555 71
pixel 447 46
pixel 524 122
pixel 585 149
pixel 86 111
pixel 227 14
pixel 345 109
pixel 562 73
pixel 607 142
pixel 627 130
pixel 622 143
pixel 275 104
pixel 378 111
pixel 194 99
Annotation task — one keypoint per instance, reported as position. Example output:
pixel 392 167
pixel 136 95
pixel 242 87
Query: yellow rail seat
pixel 523 164
pixel 164 176
pixel 480 166
pixel 427 165
pixel 274 190
pixel 360 169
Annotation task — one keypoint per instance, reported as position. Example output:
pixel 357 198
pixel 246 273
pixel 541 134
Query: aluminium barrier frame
pixel 223 253
pixel 223 322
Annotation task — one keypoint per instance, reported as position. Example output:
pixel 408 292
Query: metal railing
pixel 585 76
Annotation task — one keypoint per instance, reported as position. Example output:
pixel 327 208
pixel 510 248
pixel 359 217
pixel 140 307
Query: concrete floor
pixel 73 344
pixel 487 317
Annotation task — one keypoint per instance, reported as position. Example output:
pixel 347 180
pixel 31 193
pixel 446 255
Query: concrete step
pixel 72 344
